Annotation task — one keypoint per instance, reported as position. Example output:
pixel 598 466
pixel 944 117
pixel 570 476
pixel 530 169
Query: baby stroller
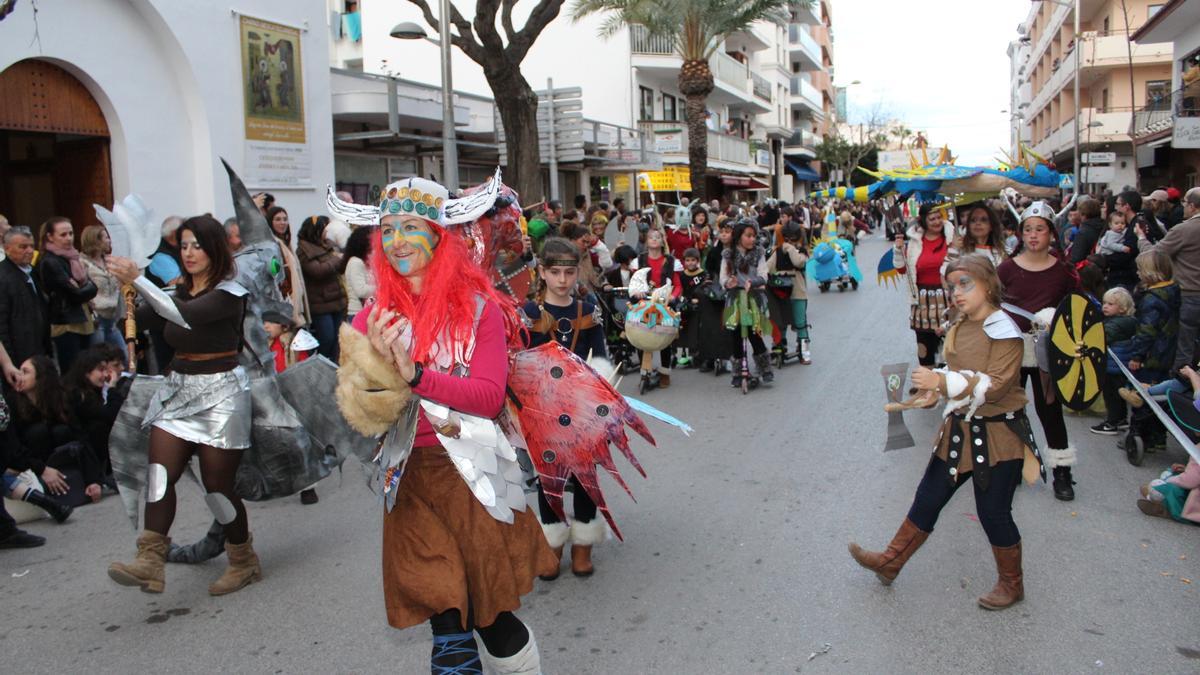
pixel 614 304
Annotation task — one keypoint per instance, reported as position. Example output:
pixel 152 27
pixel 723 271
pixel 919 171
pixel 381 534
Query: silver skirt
pixel 212 409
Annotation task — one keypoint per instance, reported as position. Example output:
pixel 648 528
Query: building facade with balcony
pixel 814 100
pixel 1116 78
pixel 1167 131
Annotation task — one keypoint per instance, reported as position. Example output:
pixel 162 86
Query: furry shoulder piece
pixel 370 393
pixel 743 262
pixel 1000 326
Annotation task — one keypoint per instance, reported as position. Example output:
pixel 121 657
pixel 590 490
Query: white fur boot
pixel 583 537
pixel 557 535
pixel 525 662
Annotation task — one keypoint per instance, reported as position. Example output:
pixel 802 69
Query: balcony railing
pixel 641 42
pixel 1160 115
pixel 802 138
pixel 762 87
pixel 721 147
pixel 803 88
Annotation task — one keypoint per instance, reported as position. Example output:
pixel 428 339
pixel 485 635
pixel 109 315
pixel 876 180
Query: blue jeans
pixel 1165 386
pixel 325 329
pixel 107 332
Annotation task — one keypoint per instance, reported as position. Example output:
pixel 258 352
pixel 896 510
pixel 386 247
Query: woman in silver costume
pixel 203 407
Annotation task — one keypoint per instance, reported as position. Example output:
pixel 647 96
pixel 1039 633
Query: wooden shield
pixel 1077 352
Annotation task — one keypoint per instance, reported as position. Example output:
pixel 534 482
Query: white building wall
pixel 572 53
pixel 167 75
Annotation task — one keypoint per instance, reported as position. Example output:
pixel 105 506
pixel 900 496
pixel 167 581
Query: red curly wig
pixel 447 300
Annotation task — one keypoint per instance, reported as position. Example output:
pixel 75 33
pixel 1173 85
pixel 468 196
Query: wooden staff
pixel 130 296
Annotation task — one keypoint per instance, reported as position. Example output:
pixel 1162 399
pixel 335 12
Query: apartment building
pixel 1116 78
pixel 813 102
pixel 1167 130
pixel 629 105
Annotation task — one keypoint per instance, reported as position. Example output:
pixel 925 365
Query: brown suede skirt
pixel 441 549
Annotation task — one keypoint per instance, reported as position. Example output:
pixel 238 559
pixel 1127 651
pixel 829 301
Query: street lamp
pixel 407 30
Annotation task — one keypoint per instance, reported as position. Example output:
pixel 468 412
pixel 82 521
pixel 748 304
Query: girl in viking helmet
pixel 459 546
pixel 1036 278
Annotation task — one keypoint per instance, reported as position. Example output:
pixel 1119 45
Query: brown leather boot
pixel 557 550
pixel 146 570
pixel 581 560
pixel 664 380
pixel 887 564
pixel 242 571
pixel 1010 587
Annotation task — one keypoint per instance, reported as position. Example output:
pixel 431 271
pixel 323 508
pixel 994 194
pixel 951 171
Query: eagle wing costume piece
pixel 295 441
pixel 569 414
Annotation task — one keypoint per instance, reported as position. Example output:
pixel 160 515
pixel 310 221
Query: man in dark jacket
pixel 24 313
pixel 1090 230
pixel 1121 268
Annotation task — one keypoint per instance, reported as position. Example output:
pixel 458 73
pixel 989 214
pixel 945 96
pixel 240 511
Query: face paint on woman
pixel 421 243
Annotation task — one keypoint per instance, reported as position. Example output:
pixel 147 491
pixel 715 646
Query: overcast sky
pixel 940 66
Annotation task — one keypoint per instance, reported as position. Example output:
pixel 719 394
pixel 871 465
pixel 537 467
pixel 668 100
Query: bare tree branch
pixel 465 40
pixel 541 16
pixel 485 24
pixel 506 19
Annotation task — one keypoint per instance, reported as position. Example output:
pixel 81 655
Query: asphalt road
pixel 735 556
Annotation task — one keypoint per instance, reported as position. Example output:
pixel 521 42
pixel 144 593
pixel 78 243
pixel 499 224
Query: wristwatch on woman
pixel 418 371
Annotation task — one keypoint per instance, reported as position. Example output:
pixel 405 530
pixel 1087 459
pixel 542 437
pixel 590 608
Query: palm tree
pixel 696 28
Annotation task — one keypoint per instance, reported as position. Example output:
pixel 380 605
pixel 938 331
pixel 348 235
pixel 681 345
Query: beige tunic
pixel 968 347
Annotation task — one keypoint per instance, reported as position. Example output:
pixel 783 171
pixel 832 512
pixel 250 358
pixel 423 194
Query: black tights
pixel 756 343
pixel 218 471
pixel 1049 414
pixel 927 347
pixel 993 506
pixel 503 638
pixel 585 508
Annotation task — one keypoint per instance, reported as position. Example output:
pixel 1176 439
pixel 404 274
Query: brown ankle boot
pixel 581 560
pixel 664 381
pixel 557 551
pixel 887 564
pixel 146 570
pixel 1010 587
pixel 242 571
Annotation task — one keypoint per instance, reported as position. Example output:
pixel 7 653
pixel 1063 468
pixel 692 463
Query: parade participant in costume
pixel 657 269
pixel 985 435
pixel 788 294
pixel 693 280
pixel 1036 279
pixel 920 261
pixel 575 324
pixel 459 548
pixel 203 408
pixel 744 278
pixel 984 235
pixel 716 343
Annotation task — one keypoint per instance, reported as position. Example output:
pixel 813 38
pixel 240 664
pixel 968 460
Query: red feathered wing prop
pixel 568 415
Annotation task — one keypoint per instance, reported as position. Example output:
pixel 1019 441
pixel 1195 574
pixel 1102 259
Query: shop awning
pixel 743 183
pixel 802 171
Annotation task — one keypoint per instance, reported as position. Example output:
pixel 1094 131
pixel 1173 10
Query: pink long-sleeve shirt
pixel 482 392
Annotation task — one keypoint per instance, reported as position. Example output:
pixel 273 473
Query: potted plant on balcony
pixel 696 28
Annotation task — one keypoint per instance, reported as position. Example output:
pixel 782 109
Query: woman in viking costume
pixel 426 366
pixel 920 261
pixel 1036 279
pixel 985 435
pixel 203 407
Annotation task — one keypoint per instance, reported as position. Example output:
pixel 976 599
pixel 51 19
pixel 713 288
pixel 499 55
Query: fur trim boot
pixel 887 564
pixel 1061 462
pixel 146 570
pixel 527 661
pixel 557 535
pixel 243 569
pixel 1010 586
pixel 763 362
pixel 583 537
